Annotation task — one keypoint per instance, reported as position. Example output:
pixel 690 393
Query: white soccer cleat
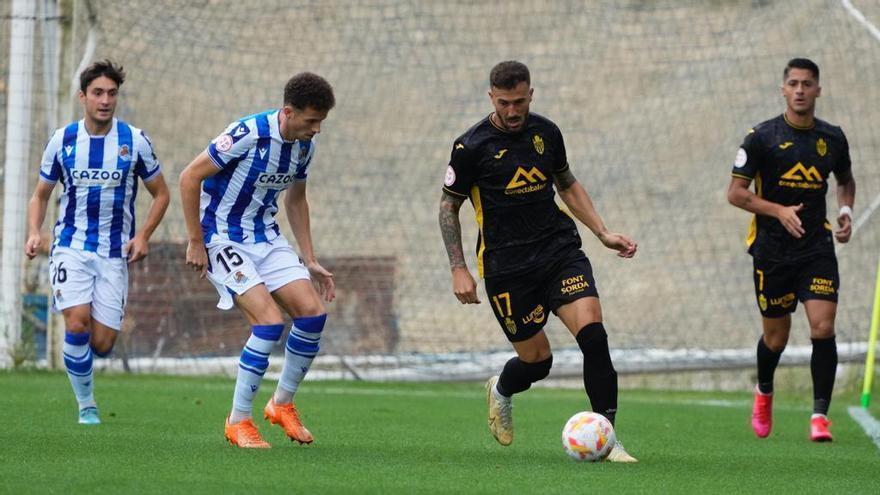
pixel 500 414
pixel 619 454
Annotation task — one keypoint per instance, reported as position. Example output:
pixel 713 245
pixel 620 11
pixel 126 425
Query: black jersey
pixel 508 177
pixel 791 165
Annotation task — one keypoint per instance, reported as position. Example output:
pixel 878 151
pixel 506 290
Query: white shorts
pixel 83 277
pixel 234 268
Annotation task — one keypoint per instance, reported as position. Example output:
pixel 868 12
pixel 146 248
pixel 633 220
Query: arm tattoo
pixel 564 179
pixel 450 228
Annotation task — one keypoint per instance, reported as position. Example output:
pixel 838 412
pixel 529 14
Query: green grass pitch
pixel 165 435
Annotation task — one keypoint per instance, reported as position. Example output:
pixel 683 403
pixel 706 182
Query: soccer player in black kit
pixel 790 158
pixel 528 249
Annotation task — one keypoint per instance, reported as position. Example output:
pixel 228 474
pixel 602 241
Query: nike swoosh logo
pixel 786 145
pixel 500 154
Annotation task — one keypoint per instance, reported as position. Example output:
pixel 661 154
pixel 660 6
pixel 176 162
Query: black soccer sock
pixel 600 379
pixel 767 362
pixel 518 375
pixel 823 367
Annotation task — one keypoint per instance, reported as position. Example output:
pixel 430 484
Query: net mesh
pixel 653 98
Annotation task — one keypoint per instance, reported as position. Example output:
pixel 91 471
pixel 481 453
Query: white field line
pixel 867 422
pixel 858 16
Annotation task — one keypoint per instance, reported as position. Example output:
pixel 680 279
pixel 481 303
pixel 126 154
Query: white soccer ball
pixel 588 436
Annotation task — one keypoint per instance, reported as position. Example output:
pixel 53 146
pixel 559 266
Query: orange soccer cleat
pixel 244 434
pixel 286 416
pixel 819 425
pixel 762 414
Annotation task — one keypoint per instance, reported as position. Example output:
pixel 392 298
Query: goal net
pixel 653 98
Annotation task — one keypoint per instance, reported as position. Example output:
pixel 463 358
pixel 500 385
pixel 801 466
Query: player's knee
pixel 311 309
pixel 102 349
pixel 776 342
pixel 538 371
pixel 77 326
pixel 822 330
pixel 102 346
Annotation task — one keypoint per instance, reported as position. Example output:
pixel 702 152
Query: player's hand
pixel 324 279
pixel 197 258
pixel 845 232
pixel 788 217
pixel 137 249
pixel 464 286
pixel 32 246
pixel 625 247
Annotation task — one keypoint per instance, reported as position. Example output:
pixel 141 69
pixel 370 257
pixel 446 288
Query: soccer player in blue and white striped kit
pixel 229 194
pixel 98 161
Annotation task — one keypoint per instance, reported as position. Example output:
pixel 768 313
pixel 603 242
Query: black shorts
pixel 779 286
pixel 522 302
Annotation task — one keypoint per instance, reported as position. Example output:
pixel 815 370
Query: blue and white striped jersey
pixel 100 185
pixel 239 203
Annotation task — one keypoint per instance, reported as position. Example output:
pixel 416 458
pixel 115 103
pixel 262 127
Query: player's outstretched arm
pixel 581 206
pixel 36 214
pixel 846 198
pixel 463 284
pixel 190 189
pixel 739 195
pixel 138 247
pixel 296 205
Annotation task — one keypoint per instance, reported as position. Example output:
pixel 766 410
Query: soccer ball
pixel 588 436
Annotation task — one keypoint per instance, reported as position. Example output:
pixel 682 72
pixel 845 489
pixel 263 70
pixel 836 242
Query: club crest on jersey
pixel 240 277
pixel 58 295
pixel 90 177
pixel 303 152
pixel 124 153
pixel 821 147
pixel 539 144
pixel 223 143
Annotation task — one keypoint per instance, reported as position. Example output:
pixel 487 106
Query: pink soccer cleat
pixel 762 414
pixel 819 425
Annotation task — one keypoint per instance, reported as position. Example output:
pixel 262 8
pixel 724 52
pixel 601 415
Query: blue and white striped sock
pixel 251 368
pixel 301 349
pixel 78 360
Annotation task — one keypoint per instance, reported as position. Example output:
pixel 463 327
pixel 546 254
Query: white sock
pixel 251 367
pixel 498 396
pixel 78 361
pixel 301 349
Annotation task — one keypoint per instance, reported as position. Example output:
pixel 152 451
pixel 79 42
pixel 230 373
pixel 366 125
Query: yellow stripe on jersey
pixel 753 228
pixel 478 211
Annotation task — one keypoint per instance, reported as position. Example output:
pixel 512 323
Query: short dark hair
pixel 801 63
pixel 507 74
pixel 104 68
pixel 309 90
